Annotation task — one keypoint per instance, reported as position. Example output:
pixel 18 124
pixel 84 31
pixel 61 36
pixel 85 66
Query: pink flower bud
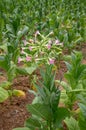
pixel 57 41
pixel 37 33
pixel 51 61
pixel 48 46
pixel 30 48
pixel 19 60
pixel 28 58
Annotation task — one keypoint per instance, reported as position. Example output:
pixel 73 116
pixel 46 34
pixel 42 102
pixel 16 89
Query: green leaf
pixel 69 66
pixel 26 70
pixel 54 100
pixel 82 122
pixel 3 94
pixel 83 109
pixel 63 97
pixel 40 91
pixel 21 70
pixel 23 32
pixel 15 55
pixel 61 114
pixel 4 47
pixel 5 85
pixel 5 62
pixel 31 69
pixel 72 124
pixel 33 123
pixel 9 28
pixel 77 90
pixel 11 73
pixel 64 85
pixel 40 110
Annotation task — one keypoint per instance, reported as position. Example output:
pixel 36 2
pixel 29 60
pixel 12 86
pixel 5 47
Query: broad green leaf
pixel 5 85
pixel 9 28
pixel 83 109
pixel 54 100
pixel 69 66
pixel 37 99
pixel 3 94
pixel 82 122
pixel 11 73
pixel 5 62
pixel 63 97
pixel 31 69
pixel 21 70
pixel 33 123
pixel 23 32
pixel 40 91
pixel 4 47
pixel 64 85
pixel 84 83
pixel 26 70
pixel 72 124
pixel 61 114
pixel 40 110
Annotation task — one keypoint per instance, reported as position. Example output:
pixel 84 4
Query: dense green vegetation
pixel 67 19
pixel 36 32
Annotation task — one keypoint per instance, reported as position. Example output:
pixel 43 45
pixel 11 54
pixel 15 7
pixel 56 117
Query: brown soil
pixel 14 114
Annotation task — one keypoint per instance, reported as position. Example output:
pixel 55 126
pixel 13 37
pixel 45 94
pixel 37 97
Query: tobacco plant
pixel 41 50
pixel 80 122
pixel 75 79
pixel 74 91
pixel 45 110
pixel 10 72
pixel 66 19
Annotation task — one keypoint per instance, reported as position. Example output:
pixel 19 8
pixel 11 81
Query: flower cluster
pixel 44 50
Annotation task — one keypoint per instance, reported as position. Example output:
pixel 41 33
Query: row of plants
pixel 20 42
pixel 46 109
pixel 66 19
pixel 33 53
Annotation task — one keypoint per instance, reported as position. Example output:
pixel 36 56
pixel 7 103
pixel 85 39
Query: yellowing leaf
pixel 18 93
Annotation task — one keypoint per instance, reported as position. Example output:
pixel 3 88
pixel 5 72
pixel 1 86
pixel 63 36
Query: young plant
pixel 10 70
pixel 75 77
pixel 45 110
pixel 80 121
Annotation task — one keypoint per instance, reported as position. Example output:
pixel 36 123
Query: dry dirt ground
pixel 14 114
